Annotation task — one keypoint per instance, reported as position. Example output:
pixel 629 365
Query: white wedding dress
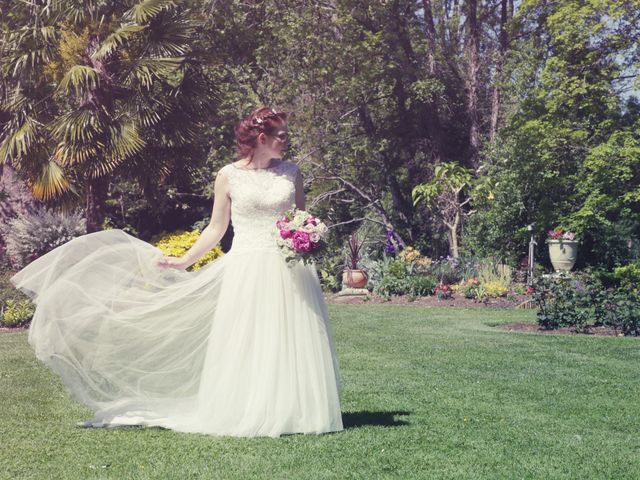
pixel 241 347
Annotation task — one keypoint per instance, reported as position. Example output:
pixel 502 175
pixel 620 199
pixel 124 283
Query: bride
pixel 240 347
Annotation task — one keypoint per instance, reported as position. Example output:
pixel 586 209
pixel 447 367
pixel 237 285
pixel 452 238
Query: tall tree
pixel 100 87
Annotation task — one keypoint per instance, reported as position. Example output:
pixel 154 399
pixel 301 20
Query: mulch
pixel 430 301
pixel 13 329
pixel 600 331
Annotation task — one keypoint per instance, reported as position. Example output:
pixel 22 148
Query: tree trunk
pixel 432 119
pixel 495 96
pixel 473 55
pixel 95 196
pixel 452 233
pixel 403 206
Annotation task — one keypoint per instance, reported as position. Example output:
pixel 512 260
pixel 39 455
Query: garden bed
pixel 427 301
pixel 601 331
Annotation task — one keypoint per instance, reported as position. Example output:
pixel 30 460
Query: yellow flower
pixel 176 244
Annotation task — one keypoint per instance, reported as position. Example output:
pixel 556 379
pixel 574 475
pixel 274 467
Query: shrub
pixel 469 287
pixel 31 235
pixel 387 276
pixel 397 268
pixel 442 291
pixel 452 270
pixel 620 308
pixel 390 285
pixel 495 289
pixel 495 274
pixel 421 285
pixel 394 276
pixel 16 313
pixel 628 275
pixel 330 269
pixel 567 300
pixel 176 244
pixel 520 288
pixel 412 256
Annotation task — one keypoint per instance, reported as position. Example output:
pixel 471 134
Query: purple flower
pixel 390 246
pixel 285 233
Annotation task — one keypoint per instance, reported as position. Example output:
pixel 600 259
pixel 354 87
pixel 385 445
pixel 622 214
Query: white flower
pixel 321 228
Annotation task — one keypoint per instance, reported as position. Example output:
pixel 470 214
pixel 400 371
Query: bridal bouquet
pixel 301 236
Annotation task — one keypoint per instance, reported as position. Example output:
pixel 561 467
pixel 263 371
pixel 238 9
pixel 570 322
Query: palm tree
pixel 94 88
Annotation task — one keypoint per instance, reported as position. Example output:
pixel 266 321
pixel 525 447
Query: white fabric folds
pixel 241 347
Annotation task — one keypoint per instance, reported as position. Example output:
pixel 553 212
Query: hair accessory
pixel 260 120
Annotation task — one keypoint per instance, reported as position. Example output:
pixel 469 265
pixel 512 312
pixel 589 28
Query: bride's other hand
pixel 173 262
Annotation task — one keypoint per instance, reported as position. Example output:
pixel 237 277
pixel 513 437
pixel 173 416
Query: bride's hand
pixel 173 262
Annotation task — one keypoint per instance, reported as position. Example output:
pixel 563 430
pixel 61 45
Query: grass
pixel 427 393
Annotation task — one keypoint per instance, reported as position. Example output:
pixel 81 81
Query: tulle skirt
pixel 241 347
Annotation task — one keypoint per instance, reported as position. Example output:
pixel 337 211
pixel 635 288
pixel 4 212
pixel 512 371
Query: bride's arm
pixel 300 200
pixel 213 233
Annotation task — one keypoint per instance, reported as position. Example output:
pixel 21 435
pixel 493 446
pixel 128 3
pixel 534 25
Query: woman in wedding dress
pixel 240 347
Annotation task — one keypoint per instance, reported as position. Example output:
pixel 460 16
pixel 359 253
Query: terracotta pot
pixel 563 254
pixel 354 278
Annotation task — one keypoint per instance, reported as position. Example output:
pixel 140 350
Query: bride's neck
pixel 260 159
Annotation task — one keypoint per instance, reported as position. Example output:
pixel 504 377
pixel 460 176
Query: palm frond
pixel 76 12
pixel 147 70
pixel 81 77
pixel 71 154
pixel 76 126
pixel 103 167
pixel 125 142
pixel 147 9
pixel 51 182
pixel 116 39
pixel 171 37
pixel 21 62
pixel 17 143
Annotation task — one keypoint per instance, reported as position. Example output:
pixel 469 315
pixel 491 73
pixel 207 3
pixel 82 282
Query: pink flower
pixel 311 220
pixel 301 241
pixel 282 223
pixel 286 233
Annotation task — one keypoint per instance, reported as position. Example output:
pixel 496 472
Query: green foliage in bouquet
pixel 16 313
pixel 176 244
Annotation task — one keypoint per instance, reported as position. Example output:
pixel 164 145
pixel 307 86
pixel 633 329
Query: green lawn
pixel 427 393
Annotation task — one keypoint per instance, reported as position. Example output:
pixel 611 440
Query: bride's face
pixel 276 143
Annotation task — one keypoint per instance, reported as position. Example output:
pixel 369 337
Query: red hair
pixel 262 120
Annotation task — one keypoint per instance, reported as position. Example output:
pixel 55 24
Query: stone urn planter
pixel 563 254
pixel 354 278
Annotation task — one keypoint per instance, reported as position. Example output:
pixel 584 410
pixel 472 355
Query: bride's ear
pixel 262 138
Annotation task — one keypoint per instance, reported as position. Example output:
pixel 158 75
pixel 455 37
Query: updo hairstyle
pixel 262 120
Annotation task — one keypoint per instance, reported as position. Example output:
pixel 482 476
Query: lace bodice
pixel 258 198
